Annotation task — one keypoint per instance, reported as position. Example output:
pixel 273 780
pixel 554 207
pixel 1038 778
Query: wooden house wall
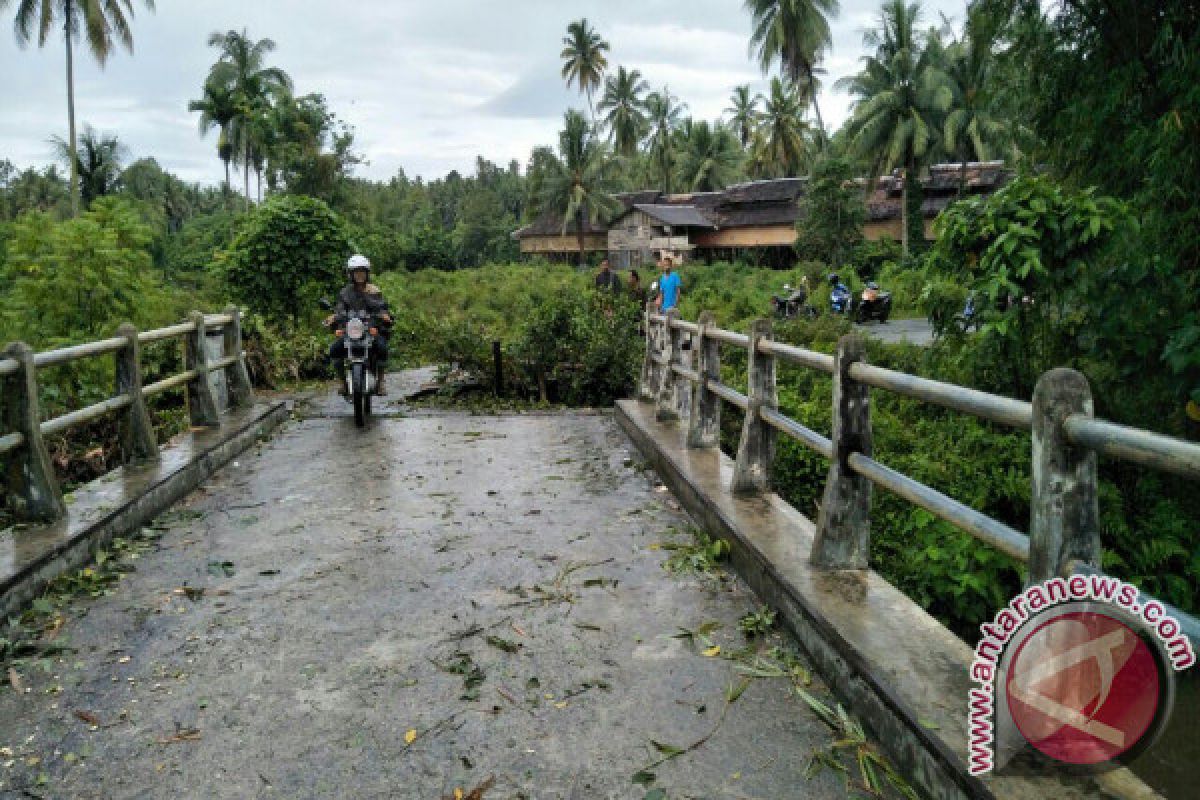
pixel 592 242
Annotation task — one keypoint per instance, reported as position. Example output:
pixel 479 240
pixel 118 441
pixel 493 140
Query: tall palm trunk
pixel 816 106
pixel 227 183
pixel 71 118
pixel 579 229
pixel 904 212
pixel 246 176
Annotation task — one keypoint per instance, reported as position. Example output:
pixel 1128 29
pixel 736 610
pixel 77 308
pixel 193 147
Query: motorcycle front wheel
pixel 359 383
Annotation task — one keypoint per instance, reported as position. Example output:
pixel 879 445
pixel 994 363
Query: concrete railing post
pixel 704 426
pixel 668 403
pixel 1064 521
pixel 201 400
pixel 756 451
pixel 35 493
pixel 843 539
pixel 648 385
pixel 135 428
pixel 241 392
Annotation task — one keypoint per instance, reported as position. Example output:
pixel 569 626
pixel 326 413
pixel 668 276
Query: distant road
pixel 914 331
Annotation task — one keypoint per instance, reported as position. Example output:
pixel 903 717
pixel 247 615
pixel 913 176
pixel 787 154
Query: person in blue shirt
pixel 670 287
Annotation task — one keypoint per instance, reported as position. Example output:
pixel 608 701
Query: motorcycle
pixel 874 304
pixel 791 303
pixel 840 299
pixel 969 318
pixel 358 330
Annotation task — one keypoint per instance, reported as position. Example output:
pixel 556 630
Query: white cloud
pixel 426 85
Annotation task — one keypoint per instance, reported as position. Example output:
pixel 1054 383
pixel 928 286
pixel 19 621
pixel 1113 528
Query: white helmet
pixel 358 261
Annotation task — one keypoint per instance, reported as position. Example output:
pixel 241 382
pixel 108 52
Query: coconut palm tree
pixel 784 131
pixel 98 160
pixel 577 183
pixel 218 109
pixel 241 70
pixel 626 115
pixel 104 24
pixel 583 58
pixel 973 129
pixel 796 34
pixel 898 95
pixel 665 115
pixel 711 158
pixel 743 113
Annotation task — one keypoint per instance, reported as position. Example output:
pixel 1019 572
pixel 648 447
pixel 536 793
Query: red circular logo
pixel 1083 688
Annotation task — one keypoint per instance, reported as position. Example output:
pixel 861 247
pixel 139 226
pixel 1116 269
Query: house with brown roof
pixel 757 218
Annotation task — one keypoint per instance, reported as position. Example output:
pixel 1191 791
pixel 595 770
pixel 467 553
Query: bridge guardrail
pixel 23 431
pixel 1064 536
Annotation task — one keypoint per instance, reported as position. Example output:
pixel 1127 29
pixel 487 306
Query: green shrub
pixel 288 253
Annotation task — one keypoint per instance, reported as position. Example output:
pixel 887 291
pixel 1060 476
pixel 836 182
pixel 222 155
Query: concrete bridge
pixel 450 605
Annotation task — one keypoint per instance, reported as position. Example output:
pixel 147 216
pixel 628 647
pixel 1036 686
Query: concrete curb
pixel 898 669
pixel 123 501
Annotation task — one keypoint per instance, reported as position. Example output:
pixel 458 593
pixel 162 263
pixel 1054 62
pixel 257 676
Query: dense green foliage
pixel 831 215
pixel 288 253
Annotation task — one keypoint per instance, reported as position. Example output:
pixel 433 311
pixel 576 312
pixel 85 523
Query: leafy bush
pixel 832 215
pixel 288 253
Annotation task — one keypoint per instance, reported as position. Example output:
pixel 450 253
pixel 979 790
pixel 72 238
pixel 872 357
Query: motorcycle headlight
pixel 355 329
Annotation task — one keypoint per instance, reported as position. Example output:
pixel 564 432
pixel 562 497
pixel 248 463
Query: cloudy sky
pixel 427 84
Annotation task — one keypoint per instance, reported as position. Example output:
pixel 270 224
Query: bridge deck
pixel 349 581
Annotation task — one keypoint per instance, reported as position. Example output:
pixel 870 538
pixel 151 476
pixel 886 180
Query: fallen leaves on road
pixel 88 717
pixel 411 736
pixel 182 735
pixel 474 794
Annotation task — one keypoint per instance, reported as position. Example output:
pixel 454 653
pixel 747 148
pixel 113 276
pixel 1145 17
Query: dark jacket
pixel 351 299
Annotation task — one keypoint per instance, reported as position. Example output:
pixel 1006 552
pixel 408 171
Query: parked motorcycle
pixel 841 301
pixel 969 318
pixel 873 304
pixel 358 330
pixel 792 303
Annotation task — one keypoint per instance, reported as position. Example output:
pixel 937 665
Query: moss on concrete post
pixel 35 493
pixel 668 404
pixel 843 539
pixel 135 428
pixel 201 400
pixel 704 425
pixel 1064 521
pixel 241 392
pixel 648 385
pixel 756 450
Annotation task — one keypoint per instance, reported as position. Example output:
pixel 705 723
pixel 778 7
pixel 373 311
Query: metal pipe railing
pixel 728 394
pixel 11 441
pixel 806 436
pixel 1005 410
pixel 170 332
pixel 1148 449
pixel 822 362
pixel 729 337
pixel 60 424
pixel 64 355
pixel 20 401
pixel 169 383
pixel 979 525
pixel 1064 496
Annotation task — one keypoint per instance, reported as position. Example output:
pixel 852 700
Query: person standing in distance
pixel 670 286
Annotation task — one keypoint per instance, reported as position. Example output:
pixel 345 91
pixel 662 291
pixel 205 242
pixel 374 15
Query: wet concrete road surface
pixel 490 588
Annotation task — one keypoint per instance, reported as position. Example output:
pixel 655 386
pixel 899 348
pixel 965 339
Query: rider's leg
pixel 337 356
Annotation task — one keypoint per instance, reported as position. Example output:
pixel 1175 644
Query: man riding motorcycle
pixel 840 298
pixel 360 295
